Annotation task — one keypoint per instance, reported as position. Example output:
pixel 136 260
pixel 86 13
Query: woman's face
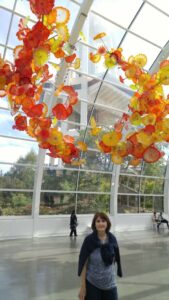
pixel 100 225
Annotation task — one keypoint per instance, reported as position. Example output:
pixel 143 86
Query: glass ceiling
pixel 135 25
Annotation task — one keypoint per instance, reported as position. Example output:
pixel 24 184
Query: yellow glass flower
pixel 144 138
pixel 62 15
pixel 82 146
pixel 116 159
pixel 76 64
pixel 95 131
pixel 111 138
pixel 55 44
pixel 99 36
pixel 149 119
pixel 140 60
pixel 163 75
pixel 78 162
pixel 63 32
pixel 40 56
pixel 55 137
pixel 135 119
pixel 92 122
pixel 110 62
pixel 95 58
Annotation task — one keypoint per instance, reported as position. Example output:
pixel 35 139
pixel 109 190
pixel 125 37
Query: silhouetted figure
pixel 162 220
pixel 73 224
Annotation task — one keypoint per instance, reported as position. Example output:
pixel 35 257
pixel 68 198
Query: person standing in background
pixel 73 224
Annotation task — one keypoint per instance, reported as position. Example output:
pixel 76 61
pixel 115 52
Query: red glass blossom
pixel 20 123
pixel 41 7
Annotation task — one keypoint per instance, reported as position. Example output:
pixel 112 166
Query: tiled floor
pixel 46 268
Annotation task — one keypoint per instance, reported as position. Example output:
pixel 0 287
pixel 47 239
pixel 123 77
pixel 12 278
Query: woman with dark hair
pixel 98 255
pixel 73 224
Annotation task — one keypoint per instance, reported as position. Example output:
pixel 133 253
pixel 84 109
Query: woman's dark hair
pixel 73 212
pixel 102 216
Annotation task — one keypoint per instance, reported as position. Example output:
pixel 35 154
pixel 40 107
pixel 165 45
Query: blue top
pixel 98 274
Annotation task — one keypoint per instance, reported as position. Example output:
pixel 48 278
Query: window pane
pixel 126 168
pixel 9 55
pixel 17 177
pixel 1 51
pixel 164 5
pixel 14 150
pixel 97 161
pixel 158 204
pixel 56 203
pixel 7 3
pixel 6 123
pixel 119 11
pixel 4 24
pixel 88 204
pixel 23 8
pixel 133 45
pixel 149 29
pixel 15 203
pixel 128 184
pixel 59 180
pixel 156 169
pixel 152 186
pixel 152 203
pixel 94 182
pixel 96 25
pixel 128 204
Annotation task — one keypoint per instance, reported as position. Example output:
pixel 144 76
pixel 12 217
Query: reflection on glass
pixel 56 203
pixel 87 204
pixel 15 203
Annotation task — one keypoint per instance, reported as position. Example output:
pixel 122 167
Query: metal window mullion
pixel 143 176
pixel 16 190
pixel 17 164
pixel 128 29
pixel 117 85
pixel 16 13
pixel 17 138
pixel 9 29
pixel 74 192
pixel 146 195
pixel 81 170
pixel 156 7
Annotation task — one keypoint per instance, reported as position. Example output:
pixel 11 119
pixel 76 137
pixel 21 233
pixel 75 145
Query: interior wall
pixel 43 226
